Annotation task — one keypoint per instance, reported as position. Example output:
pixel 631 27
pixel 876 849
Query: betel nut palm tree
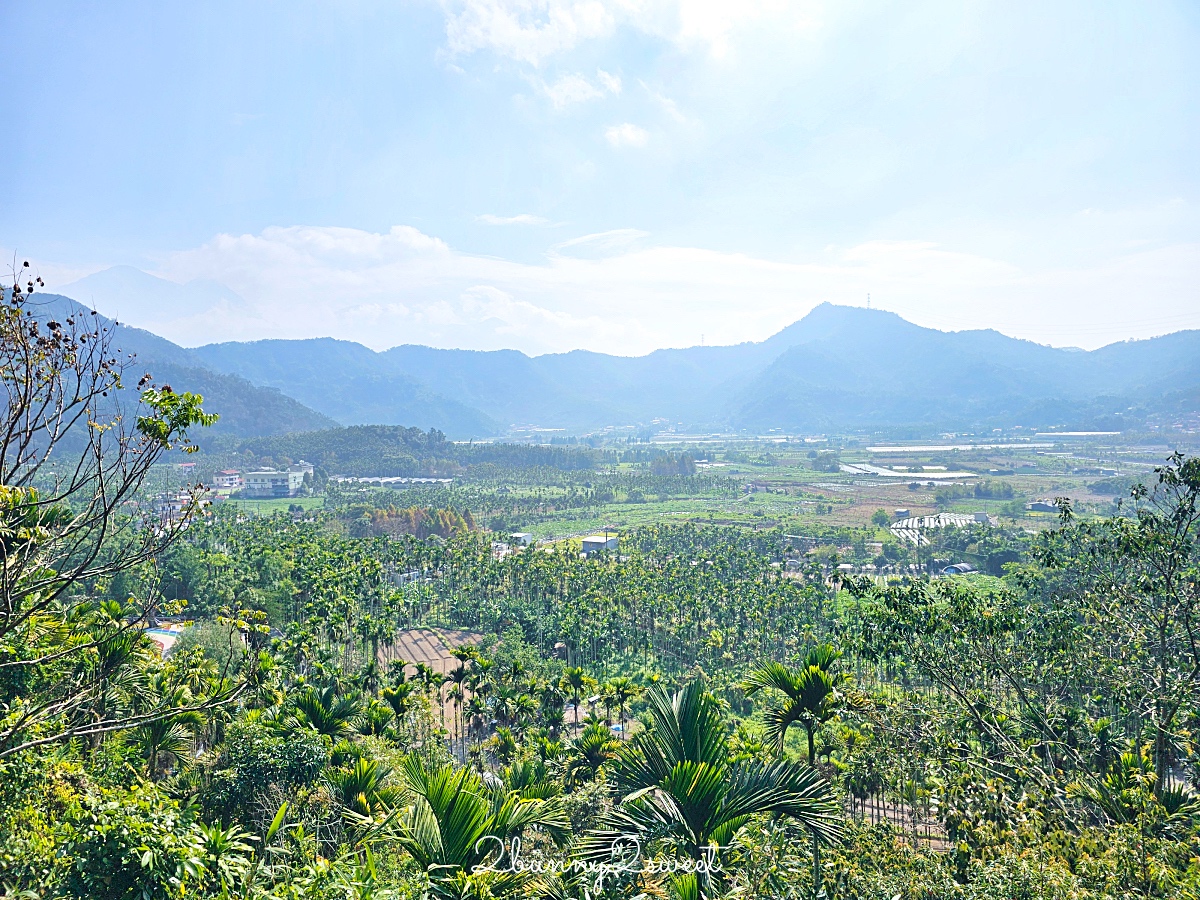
pixel 574 680
pixel 808 696
pixel 623 690
pixel 683 794
pixel 457 823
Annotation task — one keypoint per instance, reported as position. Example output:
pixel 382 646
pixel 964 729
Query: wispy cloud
pixel 626 135
pixel 664 102
pixel 570 89
pixel 532 31
pixel 521 219
pixel 610 82
pixel 526 31
pixel 575 88
pixel 616 239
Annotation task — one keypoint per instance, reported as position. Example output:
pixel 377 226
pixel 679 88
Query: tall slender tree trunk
pixel 818 878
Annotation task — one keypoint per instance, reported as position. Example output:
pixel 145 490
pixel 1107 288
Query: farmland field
pixel 427 646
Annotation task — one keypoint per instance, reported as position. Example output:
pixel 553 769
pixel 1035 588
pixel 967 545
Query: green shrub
pixel 137 846
pixel 257 761
pixel 217 641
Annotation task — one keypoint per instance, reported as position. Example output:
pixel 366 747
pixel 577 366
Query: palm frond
pixel 771 675
pixel 789 789
pixel 686 727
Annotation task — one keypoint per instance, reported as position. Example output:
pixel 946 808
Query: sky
pixel 615 175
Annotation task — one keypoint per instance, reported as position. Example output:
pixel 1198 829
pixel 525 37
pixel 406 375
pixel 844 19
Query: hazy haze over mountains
pixel 166 308
pixel 838 368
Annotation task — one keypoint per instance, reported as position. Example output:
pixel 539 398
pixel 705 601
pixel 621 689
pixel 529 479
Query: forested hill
pixel 838 367
pixel 245 409
pixel 347 382
pixel 388 451
pixel 862 368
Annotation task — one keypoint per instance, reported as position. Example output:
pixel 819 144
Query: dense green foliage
pixel 247 409
pixel 673 464
pixel 682 596
pixel 508 499
pixel 363 520
pixel 980 490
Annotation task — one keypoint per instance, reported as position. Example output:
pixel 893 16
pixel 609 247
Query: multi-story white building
pixel 268 483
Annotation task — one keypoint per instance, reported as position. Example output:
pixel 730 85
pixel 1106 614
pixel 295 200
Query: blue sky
pixel 613 174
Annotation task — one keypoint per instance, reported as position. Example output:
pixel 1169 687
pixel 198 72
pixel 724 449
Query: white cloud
pixel 610 82
pixel 575 88
pixel 668 105
pixel 305 244
pixel 521 219
pixel 570 89
pixel 626 135
pixel 604 241
pixel 711 23
pixel 612 292
pixel 532 31
pixel 525 30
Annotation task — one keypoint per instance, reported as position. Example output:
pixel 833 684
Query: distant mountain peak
pixel 168 308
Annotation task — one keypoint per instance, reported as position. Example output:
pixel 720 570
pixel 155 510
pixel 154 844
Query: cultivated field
pixel 430 646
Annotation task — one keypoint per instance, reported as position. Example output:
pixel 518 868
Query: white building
pixel 269 483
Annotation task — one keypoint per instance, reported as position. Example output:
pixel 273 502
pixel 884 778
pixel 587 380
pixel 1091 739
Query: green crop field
pixel 274 505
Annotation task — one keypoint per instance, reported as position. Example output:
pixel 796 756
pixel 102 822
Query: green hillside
pixel 245 409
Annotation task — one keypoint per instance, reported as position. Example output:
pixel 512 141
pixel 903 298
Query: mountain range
pixel 246 409
pixel 839 368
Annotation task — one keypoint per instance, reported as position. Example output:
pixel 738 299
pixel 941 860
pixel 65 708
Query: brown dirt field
pixel 430 646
